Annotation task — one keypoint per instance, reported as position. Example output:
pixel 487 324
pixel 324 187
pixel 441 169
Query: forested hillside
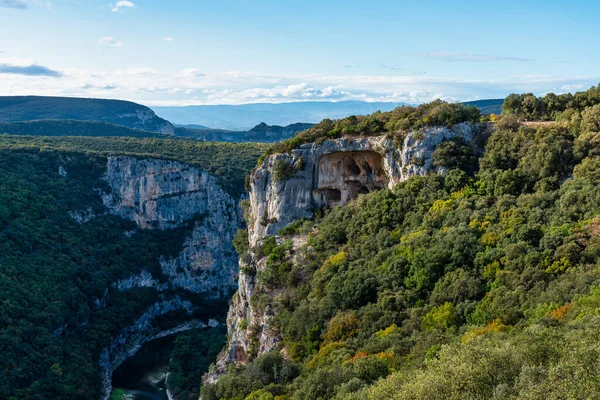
pixel 68 127
pixel 227 161
pixel 119 112
pixel 58 305
pixel 483 283
pixel 487 107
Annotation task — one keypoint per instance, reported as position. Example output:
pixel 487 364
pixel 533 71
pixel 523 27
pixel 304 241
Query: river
pixel 142 376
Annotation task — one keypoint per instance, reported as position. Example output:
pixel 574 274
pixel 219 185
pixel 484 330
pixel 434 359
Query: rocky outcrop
pixel 145 119
pixel 163 194
pixel 288 187
pixel 333 172
pixel 324 174
pixel 167 194
pixel 418 147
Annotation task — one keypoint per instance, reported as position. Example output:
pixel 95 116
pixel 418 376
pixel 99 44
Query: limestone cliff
pixel 333 172
pixel 324 174
pixel 166 194
pixel 163 194
pixel 287 187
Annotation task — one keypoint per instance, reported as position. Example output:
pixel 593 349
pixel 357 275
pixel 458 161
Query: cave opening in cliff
pixel 341 176
pixel 330 196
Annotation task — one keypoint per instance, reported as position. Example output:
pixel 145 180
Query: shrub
pixel 283 170
pixel 442 317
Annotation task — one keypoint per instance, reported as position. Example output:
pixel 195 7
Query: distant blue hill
pixel 260 133
pixel 118 112
pixel 245 116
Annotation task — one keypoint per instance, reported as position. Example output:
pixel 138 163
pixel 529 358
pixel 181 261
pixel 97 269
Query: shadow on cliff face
pixel 142 376
pixel 344 175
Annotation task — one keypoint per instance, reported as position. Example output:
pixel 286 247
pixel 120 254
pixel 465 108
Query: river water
pixel 142 376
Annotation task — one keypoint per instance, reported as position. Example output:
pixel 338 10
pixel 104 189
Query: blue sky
pixel 239 51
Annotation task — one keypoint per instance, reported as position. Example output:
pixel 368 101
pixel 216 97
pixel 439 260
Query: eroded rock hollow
pixel 342 176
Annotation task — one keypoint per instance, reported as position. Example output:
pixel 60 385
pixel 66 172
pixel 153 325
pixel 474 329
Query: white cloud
pixel 191 73
pixel 191 86
pixel 573 87
pixel 109 42
pixel 468 57
pixel 168 39
pixel 135 71
pixel 119 5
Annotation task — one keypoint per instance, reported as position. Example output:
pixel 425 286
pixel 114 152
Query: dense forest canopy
pixel 483 283
pixel 70 127
pixel 228 162
pixel 552 106
pixel 57 306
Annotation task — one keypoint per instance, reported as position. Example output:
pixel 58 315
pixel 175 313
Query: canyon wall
pixel 163 194
pixel 290 186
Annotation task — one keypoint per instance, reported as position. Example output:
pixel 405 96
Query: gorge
pixel 374 253
pixel 163 194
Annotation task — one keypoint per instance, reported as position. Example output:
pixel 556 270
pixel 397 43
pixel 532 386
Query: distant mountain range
pixel 125 113
pixel 69 127
pixel 63 116
pixel 241 117
pixel 260 133
pixel 244 116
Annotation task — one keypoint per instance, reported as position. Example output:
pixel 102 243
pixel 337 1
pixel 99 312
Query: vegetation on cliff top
pixel 228 162
pixel 396 122
pixel 552 107
pixel 447 287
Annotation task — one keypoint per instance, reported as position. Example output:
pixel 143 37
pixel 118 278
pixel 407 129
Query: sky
pixel 184 52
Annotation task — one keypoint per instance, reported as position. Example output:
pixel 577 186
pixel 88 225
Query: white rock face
pixel 419 146
pixel 82 216
pixel 166 194
pixel 242 318
pixel 163 194
pixel 143 279
pixel 61 171
pixel 145 119
pixel 334 172
pixel 208 262
pixel 159 193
